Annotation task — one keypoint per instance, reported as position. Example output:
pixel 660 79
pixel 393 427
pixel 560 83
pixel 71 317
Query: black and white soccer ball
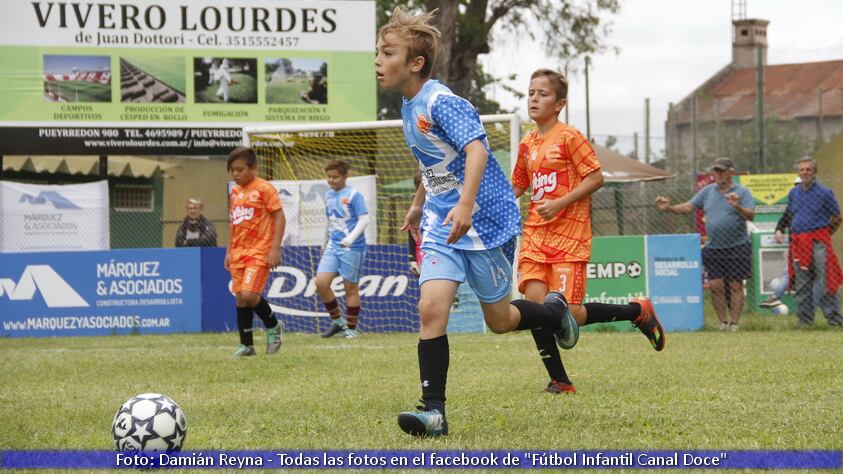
pixel 149 423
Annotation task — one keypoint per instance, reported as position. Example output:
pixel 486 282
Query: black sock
pixel 606 313
pixel 244 325
pixel 264 312
pixel 538 315
pixel 549 352
pixel 433 370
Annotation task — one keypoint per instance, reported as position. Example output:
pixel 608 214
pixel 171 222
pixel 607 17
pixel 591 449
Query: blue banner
pixel 474 459
pixel 141 291
pixel 674 280
pixel 218 308
pixel 389 293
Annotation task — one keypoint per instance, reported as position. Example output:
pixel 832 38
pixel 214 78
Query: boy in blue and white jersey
pixel 345 249
pixel 466 212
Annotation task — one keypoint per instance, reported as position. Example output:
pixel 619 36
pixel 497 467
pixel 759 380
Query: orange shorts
pixel 565 277
pixel 251 279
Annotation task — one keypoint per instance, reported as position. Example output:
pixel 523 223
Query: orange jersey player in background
pixel 257 227
pixel 559 165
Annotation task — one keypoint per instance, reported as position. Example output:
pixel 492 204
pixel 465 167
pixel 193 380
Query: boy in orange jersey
pixel 257 226
pixel 558 164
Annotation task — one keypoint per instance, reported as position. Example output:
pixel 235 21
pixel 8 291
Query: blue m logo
pixel 58 201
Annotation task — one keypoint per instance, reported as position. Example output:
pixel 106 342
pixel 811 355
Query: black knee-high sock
pixel 264 312
pixel 433 370
pixel 606 313
pixel 538 315
pixel 549 352
pixel 244 326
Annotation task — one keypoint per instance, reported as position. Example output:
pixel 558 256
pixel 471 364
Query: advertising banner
pixel 100 293
pixel 770 193
pixel 616 273
pixel 388 291
pixel 138 67
pixel 674 280
pixel 667 268
pixel 44 218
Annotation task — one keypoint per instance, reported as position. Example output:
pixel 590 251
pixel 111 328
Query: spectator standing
pixel 811 257
pixel 727 254
pixel 196 230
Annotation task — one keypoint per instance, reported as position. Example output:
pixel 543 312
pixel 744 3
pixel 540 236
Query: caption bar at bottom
pixel 502 459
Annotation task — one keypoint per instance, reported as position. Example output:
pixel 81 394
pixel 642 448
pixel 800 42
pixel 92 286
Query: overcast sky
pixel 667 48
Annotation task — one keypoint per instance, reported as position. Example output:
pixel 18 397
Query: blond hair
pixel 416 33
pixel 557 81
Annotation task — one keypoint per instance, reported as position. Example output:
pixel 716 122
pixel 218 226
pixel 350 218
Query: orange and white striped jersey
pixel 551 166
pixel 250 211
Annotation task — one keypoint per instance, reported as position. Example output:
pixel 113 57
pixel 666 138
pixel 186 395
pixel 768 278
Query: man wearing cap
pixel 727 253
pixel 812 260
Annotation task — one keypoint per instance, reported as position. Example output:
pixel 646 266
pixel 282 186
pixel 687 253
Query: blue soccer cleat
pixel 424 422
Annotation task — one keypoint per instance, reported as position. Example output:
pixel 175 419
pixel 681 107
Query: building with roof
pixel 807 96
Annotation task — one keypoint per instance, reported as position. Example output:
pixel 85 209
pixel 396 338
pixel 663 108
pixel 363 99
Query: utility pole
pixel 587 105
pixel 759 91
pixel 694 134
pixel 647 130
pixel 820 137
pixel 635 139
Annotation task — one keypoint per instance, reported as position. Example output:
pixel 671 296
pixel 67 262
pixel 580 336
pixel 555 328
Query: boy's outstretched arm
pixel 460 216
pixel 550 208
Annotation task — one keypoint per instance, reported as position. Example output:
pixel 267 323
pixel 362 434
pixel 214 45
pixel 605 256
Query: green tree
pixel 611 141
pixel 785 144
pixel 568 29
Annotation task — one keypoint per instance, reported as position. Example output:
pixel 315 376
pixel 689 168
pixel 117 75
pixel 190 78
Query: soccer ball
pixel 149 422
pixel 780 309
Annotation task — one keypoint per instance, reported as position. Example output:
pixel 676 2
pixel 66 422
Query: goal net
pixel 293 158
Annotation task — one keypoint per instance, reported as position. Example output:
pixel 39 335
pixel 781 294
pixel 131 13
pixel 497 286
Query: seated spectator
pixel 196 230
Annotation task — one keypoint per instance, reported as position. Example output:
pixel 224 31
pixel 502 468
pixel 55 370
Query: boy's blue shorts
pixel 347 262
pixel 489 272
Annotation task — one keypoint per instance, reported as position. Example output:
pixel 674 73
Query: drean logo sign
pixel 606 270
pixel 291 282
pixel 56 292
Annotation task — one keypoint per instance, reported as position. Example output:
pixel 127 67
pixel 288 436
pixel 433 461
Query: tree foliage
pixel 785 144
pixel 567 28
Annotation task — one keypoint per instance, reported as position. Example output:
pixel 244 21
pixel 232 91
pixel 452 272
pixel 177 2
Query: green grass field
pixel 286 92
pixel 244 92
pixel 81 91
pixel 765 387
pixel 169 70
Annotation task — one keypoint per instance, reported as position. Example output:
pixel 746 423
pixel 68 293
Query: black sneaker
pixel 333 330
pixel 568 335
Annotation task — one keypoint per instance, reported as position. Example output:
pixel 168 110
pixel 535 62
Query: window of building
pixel 133 198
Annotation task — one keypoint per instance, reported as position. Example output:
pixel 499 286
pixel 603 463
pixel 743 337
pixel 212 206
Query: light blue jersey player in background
pixel 345 250
pixel 466 212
